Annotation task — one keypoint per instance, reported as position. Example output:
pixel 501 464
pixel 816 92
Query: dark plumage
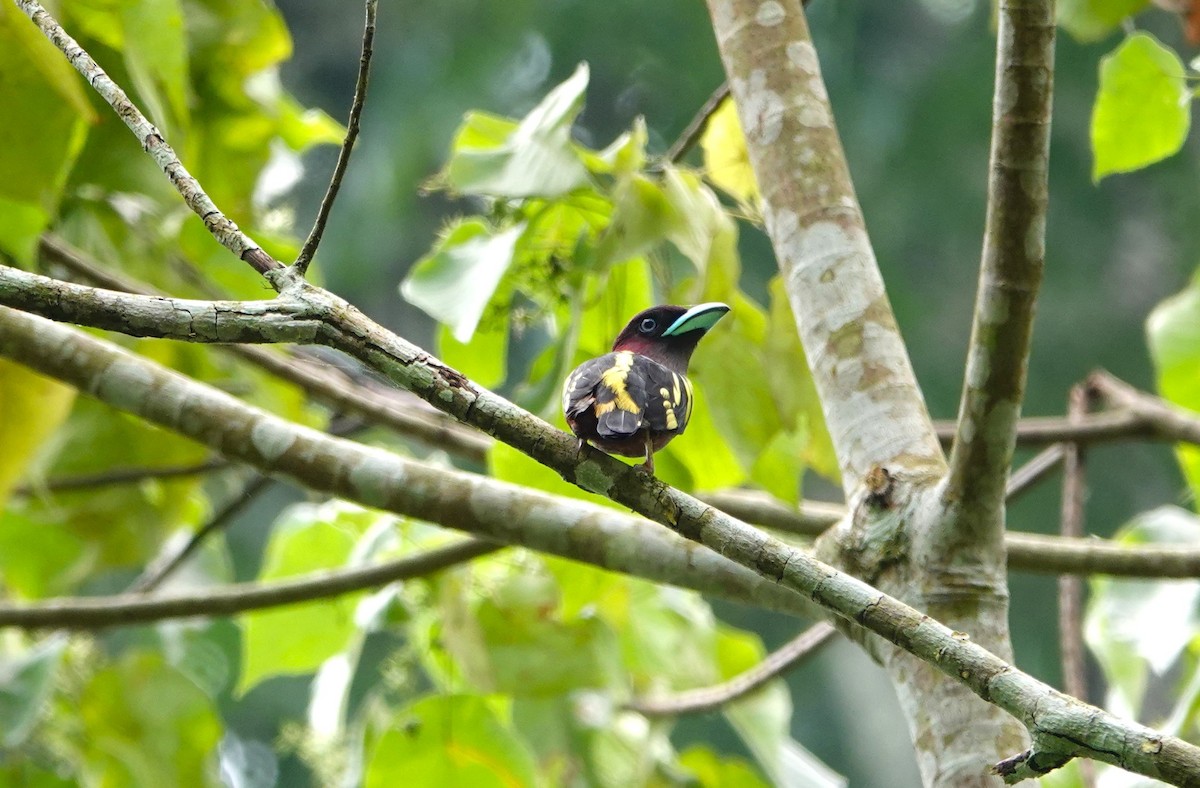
pixel 635 399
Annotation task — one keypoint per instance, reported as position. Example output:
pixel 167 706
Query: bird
pixel 634 400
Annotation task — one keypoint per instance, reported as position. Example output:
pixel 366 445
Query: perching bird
pixel 635 399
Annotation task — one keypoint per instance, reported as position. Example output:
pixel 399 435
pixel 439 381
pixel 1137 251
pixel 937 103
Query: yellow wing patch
pixel 614 378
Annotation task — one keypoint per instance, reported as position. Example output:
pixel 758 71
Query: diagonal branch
pixel 1014 250
pixel 774 665
pixel 343 161
pixel 872 404
pixel 784 575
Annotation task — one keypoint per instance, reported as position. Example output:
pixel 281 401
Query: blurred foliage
pixel 514 670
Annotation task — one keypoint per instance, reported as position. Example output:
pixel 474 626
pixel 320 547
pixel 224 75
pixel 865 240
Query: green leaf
pixel 38 559
pixel 729 369
pixel 792 384
pixel 1091 20
pixel 156 55
pixel 1173 331
pixel 450 740
pixel 536 159
pixel 484 359
pixel 1143 107
pixel 35 154
pixel 763 718
pixel 298 638
pixel 712 771
pixel 454 283
pixel 26 682
pixel 31 408
pixel 1135 627
pixel 726 159
pixel 303 128
pixel 144 723
pixel 531 649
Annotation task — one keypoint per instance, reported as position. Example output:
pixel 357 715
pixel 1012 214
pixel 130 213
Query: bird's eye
pixel 648 325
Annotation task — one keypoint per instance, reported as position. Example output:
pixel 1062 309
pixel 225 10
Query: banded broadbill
pixel 635 399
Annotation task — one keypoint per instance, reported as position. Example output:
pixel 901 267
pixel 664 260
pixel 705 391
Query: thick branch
pixel 873 407
pixel 773 666
pixel 1014 250
pixel 137 608
pixel 224 230
pixel 512 514
pixel 343 161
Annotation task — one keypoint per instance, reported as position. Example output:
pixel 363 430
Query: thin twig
pixel 1070 587
pixel 695 128
pixel 343 161
pixel 221 227
pixel 774 665
pixel 1104 427
pixel 1169 421
pixel 1024 478
pixel 154 575
pixel 118 476
pixel 90 613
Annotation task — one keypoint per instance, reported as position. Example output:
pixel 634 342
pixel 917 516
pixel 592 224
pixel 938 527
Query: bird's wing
pixel 668 396
pixel 606 389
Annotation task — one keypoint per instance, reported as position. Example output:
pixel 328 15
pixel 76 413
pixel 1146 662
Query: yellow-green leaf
pixel 725 155
pixel 31 408
pixel 1143 107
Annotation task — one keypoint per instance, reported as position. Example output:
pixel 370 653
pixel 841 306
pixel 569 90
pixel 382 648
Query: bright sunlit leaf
pixel 725 157
pixel 1091 20
pixel 1143 107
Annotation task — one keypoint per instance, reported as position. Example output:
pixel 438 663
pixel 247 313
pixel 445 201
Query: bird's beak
pixel 699 318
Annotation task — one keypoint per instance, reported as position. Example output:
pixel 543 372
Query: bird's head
pixel 668 334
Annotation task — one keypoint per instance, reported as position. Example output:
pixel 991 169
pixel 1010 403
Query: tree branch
pixel 695 128
pixel 224 230
pixel 1169 420
pixel 1014 250
pixel 1070 589
pixel 154 575
pixel 774 665
pixel 1026 552
pixel 782 575
pixel 343 161
pixel 89 613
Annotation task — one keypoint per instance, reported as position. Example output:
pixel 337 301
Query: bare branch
pixel 1170 421
pixel 1014 250
pixel 1032 472
pixel 1070 589
pixel 695 128
pixel 118 476
pixel 784 575
pixel 774 665
pixel 343 161
pixel 154 575
pixel 1026 552
pixel 89 613
pixel 224 230
pixel 1105 427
